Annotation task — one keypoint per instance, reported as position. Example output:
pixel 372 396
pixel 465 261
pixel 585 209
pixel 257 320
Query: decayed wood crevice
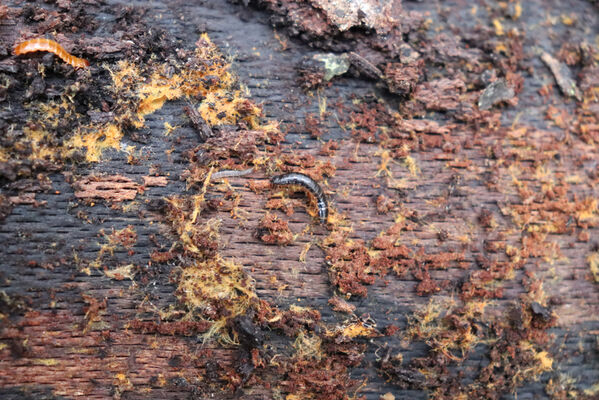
pixel 459 258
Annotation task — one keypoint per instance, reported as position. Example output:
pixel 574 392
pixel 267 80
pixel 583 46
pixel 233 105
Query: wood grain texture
pixel 54 350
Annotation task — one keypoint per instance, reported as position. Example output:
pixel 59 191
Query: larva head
pixel 81 63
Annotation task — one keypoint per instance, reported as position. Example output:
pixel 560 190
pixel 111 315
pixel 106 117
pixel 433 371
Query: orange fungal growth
pixel 30 46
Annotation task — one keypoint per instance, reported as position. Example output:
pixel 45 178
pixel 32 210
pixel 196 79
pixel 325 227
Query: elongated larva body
pixel 51 46
pixel 305 181
pixel 230 173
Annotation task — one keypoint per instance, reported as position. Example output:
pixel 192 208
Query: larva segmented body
pixel 230 173
pixel 51 46
pixel 305 181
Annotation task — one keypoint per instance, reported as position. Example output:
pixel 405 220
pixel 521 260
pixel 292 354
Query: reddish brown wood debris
pixel 463 190
pixel 112 188
pixel 273 230
pixel 155 181
pixel 384 204
pixel 340 305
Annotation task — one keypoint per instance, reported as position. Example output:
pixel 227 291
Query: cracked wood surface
pixel 70 355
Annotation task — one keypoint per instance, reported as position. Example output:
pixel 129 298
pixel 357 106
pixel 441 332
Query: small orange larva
pixel 51 46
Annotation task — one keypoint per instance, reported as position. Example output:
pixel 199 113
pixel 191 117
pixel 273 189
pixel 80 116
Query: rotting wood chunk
pixel 441 94
pixel 155 180
pixel 401 78
pixel 496 92
pixel 562 76
pixel 340 305
pixel 113 188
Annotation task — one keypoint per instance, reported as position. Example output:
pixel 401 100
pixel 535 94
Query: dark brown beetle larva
pixel 305 181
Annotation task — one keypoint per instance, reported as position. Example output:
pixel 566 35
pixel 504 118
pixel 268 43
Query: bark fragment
pixel 562 75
